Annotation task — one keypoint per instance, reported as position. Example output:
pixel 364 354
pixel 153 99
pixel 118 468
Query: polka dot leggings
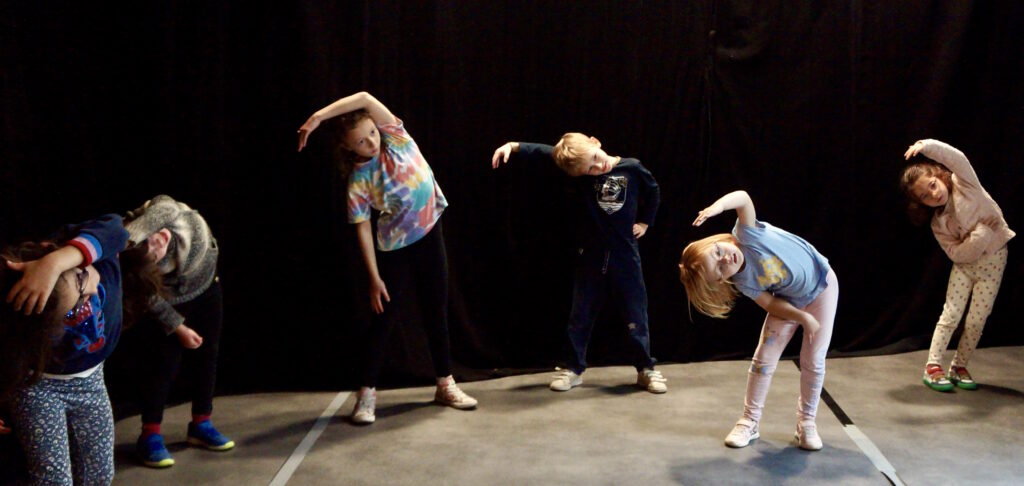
pixel 979 281
pixel 66 429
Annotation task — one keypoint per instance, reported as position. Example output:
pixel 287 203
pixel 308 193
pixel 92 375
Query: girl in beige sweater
pixel 970 228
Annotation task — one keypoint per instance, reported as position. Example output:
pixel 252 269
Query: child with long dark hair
pixel 63 320
pixel 787 277
pixel 185 320
pixel 970 228
pixel 387 173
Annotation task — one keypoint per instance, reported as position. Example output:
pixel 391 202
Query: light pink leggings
pixel 775 335
pixel 979 281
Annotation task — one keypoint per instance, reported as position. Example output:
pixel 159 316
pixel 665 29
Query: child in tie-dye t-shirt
pixel 399 184
pixel 388 173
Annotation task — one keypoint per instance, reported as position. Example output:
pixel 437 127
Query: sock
pixel 198 419
pixel 150 429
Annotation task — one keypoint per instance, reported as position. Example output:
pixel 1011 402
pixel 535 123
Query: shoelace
pixel 453 393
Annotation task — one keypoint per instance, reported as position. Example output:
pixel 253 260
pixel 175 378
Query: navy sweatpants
pixel 600 276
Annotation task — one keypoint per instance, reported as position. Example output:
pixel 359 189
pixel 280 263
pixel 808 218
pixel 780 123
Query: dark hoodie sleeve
pixel 534 152
pixel 650 196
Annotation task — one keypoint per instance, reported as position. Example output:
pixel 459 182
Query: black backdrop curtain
pixel 806 105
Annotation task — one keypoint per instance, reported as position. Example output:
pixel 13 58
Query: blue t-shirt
pixel 779 262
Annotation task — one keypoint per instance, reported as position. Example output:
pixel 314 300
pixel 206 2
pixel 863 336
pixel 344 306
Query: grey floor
pixel 609 432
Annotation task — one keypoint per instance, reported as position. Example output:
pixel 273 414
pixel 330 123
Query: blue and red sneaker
pixel 205 435
pixel 152 451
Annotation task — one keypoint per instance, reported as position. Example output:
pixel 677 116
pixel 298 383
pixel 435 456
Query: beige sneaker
pixel 742 433
pixel 363 413
pixel 807 436
pixel 450 395
pixel 652 381
pixel 566 380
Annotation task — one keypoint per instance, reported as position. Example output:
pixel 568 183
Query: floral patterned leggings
pixel 979 281
pixel 66 428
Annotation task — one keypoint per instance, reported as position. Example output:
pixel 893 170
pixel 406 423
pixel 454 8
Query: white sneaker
pixel 364 411
pixel 742 433
pixel 565 380
pixel 652 381
pixel 451 395
pixel 807 436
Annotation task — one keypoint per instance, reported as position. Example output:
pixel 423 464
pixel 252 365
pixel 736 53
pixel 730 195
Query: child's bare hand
pixel 378 290
pixel 501 155
pixel 306 129
pixel 639 229
pixel 4 430
pixel 37 281
pixel 914 149
pixel 188 337
pixel 708 212
pixel 811 327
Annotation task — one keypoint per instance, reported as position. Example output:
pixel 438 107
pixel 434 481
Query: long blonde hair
pixel 713 299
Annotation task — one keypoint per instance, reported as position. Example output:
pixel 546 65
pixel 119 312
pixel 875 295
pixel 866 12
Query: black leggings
pixel 418 271
pixel 205 315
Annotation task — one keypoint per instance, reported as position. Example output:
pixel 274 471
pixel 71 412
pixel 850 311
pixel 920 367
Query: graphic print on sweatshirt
pixel 611 192
pixel 87 325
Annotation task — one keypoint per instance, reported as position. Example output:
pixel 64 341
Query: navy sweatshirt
pixel 89 343
pixel 608 204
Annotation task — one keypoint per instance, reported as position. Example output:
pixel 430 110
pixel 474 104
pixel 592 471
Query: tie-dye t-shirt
pixel 779 262
pixel 399 184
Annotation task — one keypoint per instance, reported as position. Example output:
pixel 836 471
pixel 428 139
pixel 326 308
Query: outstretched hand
pixel 306 129
pixel 501 155
pixel 914 149
pixel 708 212
pixel 33 289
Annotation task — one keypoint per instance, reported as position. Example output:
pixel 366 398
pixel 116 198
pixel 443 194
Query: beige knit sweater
pixel 971 225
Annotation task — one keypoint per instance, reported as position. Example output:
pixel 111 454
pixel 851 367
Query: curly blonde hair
pixel 571 150
pixel 710 298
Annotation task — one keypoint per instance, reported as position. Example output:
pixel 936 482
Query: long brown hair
pixel 26 341
pixel 342 124
pixel 918 212
pixel 141 282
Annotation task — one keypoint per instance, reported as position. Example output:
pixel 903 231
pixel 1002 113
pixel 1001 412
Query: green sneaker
pixel 961 378
pixel 936 379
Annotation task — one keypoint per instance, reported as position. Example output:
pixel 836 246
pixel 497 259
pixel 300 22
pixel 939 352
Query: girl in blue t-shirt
pixel 388 175
pixel 784 275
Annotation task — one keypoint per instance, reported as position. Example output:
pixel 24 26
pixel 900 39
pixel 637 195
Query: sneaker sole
pixel 559 389
pixel 757 435
pixel 227 446
pixel 456 406
pixel 938 388
pixel 654 391
pixel 159 464
pixel 966 386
